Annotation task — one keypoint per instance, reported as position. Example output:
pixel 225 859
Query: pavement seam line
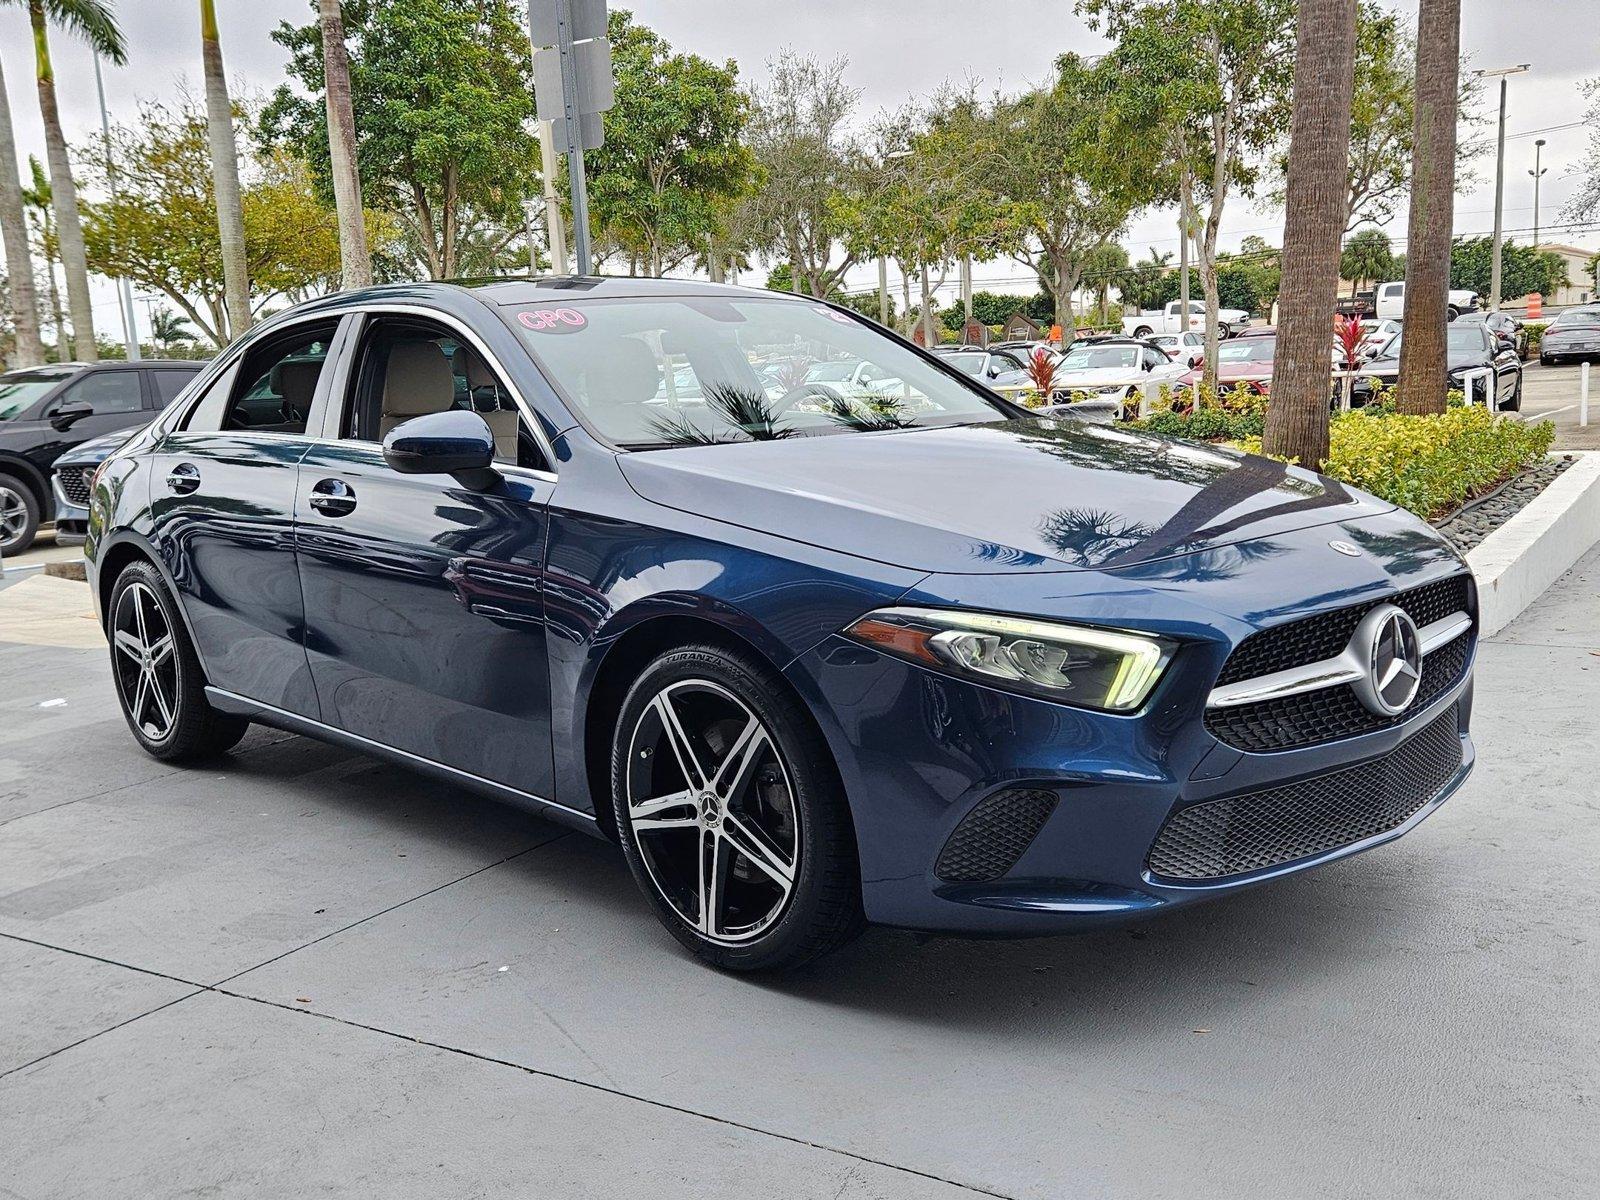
pixel 556 1077
pixel 554 837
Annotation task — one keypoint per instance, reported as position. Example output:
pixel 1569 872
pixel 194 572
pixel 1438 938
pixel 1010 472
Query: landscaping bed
pixel 1468 525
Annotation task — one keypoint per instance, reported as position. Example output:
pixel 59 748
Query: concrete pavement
pixel 1551 393
pixel 301 971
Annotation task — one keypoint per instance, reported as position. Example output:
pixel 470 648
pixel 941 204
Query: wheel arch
pixel 115 554
pixel 35 480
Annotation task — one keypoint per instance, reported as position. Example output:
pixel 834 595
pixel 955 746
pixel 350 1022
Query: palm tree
pixel 225 174
pixel 353 254
pixel 29 351
pixel 91 20
pixel 37 200
pixel 1423 380
pixel 1319 160
pixel 1366 258
pixel 167 327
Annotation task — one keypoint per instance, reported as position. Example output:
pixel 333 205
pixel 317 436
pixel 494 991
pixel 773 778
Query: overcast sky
pixel 896 49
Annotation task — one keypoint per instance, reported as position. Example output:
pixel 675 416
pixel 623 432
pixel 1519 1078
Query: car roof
pixel 536 288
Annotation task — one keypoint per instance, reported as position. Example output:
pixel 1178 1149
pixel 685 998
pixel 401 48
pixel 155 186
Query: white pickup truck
pixel 1389 304
pixel 1170 320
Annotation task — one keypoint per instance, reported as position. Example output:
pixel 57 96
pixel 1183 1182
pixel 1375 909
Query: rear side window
pixel 107 392
pixel 277 381
pixel 169 383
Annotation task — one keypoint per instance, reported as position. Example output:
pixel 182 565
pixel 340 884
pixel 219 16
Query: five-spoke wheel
pixel 731 814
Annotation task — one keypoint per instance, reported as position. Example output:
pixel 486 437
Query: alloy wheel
pixel 712 810
pixel 13 517
pixel 145 661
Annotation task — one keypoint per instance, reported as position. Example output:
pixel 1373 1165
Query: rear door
pixel 424 599
pixel 222 504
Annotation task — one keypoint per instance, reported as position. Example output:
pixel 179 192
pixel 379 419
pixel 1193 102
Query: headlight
pixel 1071 664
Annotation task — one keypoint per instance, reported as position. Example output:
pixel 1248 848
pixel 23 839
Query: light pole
pixel 1499 73
pixel 1538 153
pixel 130 331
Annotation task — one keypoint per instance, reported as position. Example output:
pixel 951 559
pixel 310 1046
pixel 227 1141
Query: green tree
pixel 91 20
pixel 1523 270
pixel 1144 286
pixel 1211 80
pixel 1102 268
pixel 672 165
pixel 443 103
pixel 1366 258
pixel 36 199
pixel 166 329
pixel 158 228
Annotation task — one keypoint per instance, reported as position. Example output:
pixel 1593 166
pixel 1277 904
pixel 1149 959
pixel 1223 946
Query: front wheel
pixel 731 814
pixel 19 515
pixel 1514 402
pixel 158 677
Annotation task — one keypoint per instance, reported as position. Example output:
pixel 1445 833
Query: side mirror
pixel 455 442
pixel 70 414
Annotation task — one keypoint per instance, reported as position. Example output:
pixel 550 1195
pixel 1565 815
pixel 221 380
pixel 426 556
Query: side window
pixel 409 368
pixel 107 392
pixel 206 416
pixel 169 383
pixel 277 381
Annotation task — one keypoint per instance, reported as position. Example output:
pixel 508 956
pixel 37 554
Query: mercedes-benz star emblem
pixel 1387 637
pixel 1345 548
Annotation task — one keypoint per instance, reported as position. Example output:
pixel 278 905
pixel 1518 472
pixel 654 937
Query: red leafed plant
pixel 1042 372
pixel 1347 335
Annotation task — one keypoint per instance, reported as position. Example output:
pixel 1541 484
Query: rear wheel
pixel 1142 331
pixel 157 673
pixel 731 814
pixel 19 515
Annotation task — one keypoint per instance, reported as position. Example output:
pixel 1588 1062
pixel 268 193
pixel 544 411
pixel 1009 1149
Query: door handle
pixel 333 497
pixel 185 478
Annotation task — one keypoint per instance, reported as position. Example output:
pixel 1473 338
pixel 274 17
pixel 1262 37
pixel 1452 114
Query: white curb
pixel 1515 563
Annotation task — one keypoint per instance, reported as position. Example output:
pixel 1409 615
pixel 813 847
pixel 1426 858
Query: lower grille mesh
pixel 75 483
pixel 993 835
pixel 1239 834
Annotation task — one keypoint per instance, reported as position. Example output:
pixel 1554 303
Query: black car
pixel 46 411
pixel 1470 346
pixel 1505 327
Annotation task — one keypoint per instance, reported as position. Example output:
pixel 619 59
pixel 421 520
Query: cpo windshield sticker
pixel 552 320
pixel 833 314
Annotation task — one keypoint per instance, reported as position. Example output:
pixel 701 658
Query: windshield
pixel 1256 349
pixel 20 390
pixel 1459 338
pixel 1576 316
pixel 967 364
pixel 690 370
pixel 1097 357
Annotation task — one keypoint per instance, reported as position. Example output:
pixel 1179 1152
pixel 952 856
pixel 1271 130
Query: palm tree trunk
pixel 1423 377
pixel 354 257
pixel 63 342
pixel 24 303
pixel 225 174
pixel 63 195
pixel 1319 158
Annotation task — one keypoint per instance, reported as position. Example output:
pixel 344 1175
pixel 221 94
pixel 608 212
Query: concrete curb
pixel 1515 563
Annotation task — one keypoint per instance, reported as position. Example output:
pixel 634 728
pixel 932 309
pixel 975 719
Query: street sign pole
pixel 583 263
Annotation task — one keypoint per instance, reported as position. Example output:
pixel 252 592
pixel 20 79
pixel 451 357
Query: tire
pixel 1514 404
pixel 799 895
pixel 1143 331
pixel 19 515
pixel 1452 313
pixel 1548 360
pixel 162 693
pixel 1224 330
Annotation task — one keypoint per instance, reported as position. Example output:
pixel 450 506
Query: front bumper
pixel 72 519
pixel 921 752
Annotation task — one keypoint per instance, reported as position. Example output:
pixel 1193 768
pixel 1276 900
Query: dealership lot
pixel 301 970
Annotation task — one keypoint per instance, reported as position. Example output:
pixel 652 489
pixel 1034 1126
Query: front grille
pixel 990 838
pixel 75 484
pixel 1312 639
pixel 1239 834
pixel 1326 715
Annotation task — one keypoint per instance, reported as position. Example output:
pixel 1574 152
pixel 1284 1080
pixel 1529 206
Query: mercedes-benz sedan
pixel 910 656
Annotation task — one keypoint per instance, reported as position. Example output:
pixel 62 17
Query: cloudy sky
pixel 896 49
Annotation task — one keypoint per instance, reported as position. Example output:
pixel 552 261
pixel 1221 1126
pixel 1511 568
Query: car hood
pixel 1454 360
pixel 1030 494
pixel 97 449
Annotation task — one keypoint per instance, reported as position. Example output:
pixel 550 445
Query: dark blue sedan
pixel 813 656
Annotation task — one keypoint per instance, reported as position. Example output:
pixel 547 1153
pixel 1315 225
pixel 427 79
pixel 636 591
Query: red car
pixel 1246 360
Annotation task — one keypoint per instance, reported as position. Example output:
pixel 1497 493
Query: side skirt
pixel 278 718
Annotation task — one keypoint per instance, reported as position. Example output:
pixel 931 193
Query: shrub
pixel 1428 464
pixel 1535 331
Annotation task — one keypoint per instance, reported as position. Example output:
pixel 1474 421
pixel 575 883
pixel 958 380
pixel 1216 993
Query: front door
pixel 424 613
pixel 222 506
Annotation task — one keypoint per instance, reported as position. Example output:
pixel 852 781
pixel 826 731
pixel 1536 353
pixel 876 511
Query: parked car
pixel 1188 348
pixel 1374 333
pixel 45 411
pixel 1574 333
pixel 943 664
pixel 1170 320
pixel 999 370
pixel 1390 302
pixel 72 480
pixel 1243 360
pixel 1114 369
pixel 1469 347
